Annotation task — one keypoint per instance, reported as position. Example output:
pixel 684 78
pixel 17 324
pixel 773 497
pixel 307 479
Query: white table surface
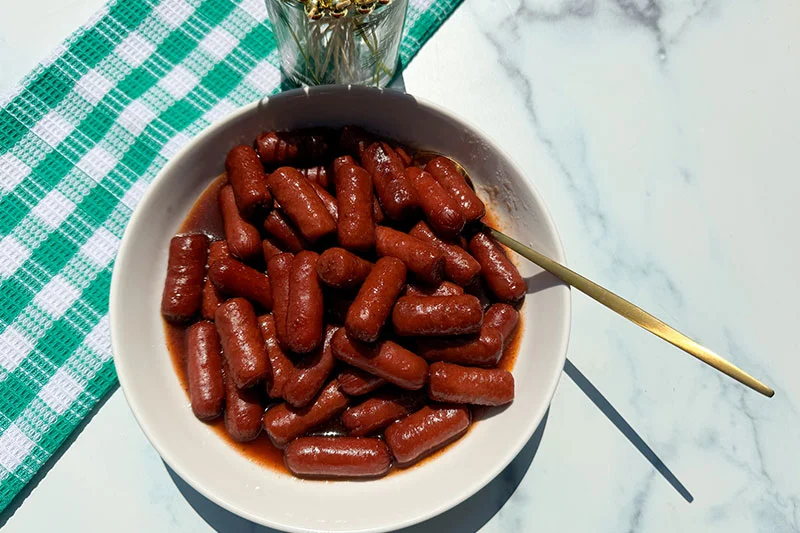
pixel 664 138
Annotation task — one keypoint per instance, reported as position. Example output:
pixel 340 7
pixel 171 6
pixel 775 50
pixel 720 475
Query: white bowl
pixel 272 498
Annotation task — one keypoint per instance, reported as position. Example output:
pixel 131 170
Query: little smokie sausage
pixel 284 233
pixel 243 411
pixel 337 457
pixel 445 172
pixel 248 181
pixel 244 241
pixel 502 277
pixel 310 374
pixel 339 162
pixel 437 315
pixel 305 308
pixel 503 318
pixel 384 359
pixel 270 248
pixel 377 211
pixel 319 175
pixel 212 298
pixel 356 227
pixel 237 279
pixel 300 202
pixel 327 199
pixel 402 153
pixel 341 269
pixel 459 266
pixel 379 411
pixel 445 288
pixel 375 299
pixel 397 194
pixel 285 148
pixel 186 270
pixel 421 433
pixel 242 343
pixel 483 349
pixel 204 370
pixel 355 382
pixel 439 207
pixel 282 367
pixel 279 270
pixel 477 386
pixel 285 423
pixel 421 258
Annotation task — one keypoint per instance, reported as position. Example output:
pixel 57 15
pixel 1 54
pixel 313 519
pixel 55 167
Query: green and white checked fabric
pixel 80 140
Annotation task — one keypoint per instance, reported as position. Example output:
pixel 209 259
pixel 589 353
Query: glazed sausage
pixel 502 277
pixel 270 248
pixel 355 382
pixel 445 288
pixel 237 279
pixel 355 140
pixel 384 359
pixel 403 155
pixel 204 370
pixel 284 232
pixel 331 205
pixel 377 211
pixel 186 270
pixel 397 194
pixel 282 367
pixel 375 299
pixel 340 162
pixel 437 315
pixel 248 181
pixel 244 241
pixel 243 410
pixel 421 258
pixel 439 207
pixel 483 349
pixel 445 172
pixel 379 411
pixel 459 266
pixel 212 298
pixel 285 423
pixel 285 148
pixel 477 386
pixel 503 318
pixel 305 308
pixel 310 374
pixel 421 433
pixel 356 228
pixel 300 202
pixel 341 269
pixel 244 349
pixel 317 174
pixel 337 457
pixel 279 270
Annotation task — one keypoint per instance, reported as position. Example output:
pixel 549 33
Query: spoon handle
pixel 633 313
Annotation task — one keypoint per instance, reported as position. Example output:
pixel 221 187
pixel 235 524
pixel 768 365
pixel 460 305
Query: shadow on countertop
pixel 467 517
pixel 625 428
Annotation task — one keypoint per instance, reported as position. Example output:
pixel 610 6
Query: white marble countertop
pixel 663 137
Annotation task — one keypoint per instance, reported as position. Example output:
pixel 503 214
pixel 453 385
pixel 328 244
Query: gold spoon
pixel 614 302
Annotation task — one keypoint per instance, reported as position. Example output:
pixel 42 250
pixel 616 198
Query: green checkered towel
pixel 80 140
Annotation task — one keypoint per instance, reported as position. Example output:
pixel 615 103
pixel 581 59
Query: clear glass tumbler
pixel 325 42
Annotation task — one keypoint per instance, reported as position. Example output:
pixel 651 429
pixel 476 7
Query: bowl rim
pixel 115 310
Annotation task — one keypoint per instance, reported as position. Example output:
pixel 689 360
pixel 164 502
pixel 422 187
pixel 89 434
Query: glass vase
pixel 325 42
